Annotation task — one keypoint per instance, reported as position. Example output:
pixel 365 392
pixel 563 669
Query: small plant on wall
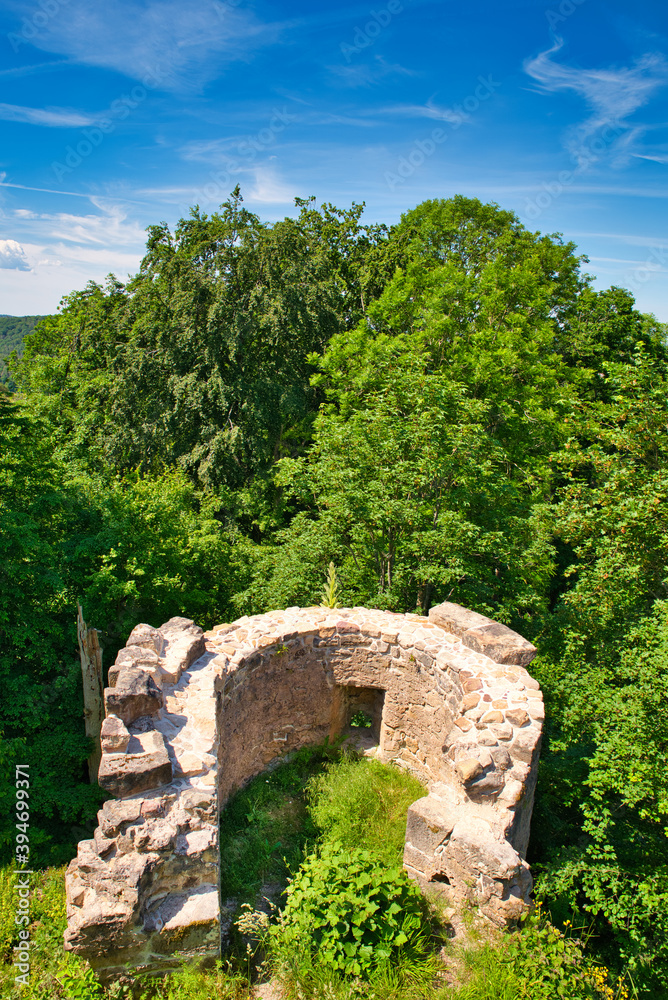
pixel 330 592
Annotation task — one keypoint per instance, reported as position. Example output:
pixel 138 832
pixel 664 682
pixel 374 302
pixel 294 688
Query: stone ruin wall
pixel 191 717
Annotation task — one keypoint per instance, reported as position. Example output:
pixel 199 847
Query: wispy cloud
pixel 368 74
pixel 43 67
pixel 106 229
pixel 51 117
pixel 268 188
pixel 428 110
pixel 185 45
pixel 12 256
pixel 612 94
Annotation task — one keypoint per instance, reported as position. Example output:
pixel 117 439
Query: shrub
pixel 349 912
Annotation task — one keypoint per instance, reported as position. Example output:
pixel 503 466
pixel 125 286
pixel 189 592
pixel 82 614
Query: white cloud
pixel 51 117
pixel 428 110
pixel 612 95
pixel 182 46
pixel 367 74
pixel 108 229
pixel 12 256
pixel 269 189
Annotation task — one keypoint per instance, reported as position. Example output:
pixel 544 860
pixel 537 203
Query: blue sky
pixel 116 116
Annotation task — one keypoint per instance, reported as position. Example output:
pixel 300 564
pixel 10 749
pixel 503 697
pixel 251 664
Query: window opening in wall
pixel 361 714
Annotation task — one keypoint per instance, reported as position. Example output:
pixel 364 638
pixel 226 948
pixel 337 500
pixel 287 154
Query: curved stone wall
pixel 192 717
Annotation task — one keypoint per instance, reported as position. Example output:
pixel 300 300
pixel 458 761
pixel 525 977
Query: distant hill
pixel 13 331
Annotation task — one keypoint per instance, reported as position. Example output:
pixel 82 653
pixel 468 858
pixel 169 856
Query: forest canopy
pixel 445 408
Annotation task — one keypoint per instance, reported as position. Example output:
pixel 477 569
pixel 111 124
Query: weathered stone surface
pixel 500 643
pixel 468 769
pixel 144 765
pixel 146 635
pixel 182 649
pixel 517 717
pixel 456 619
pixel 266 685
pixel 144 657
pixel 494 716
pixel 134 695
pixel 114 737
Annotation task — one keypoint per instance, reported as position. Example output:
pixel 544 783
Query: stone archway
pixel 192 717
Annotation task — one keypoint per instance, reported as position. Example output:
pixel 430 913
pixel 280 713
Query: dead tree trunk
pixel 91 671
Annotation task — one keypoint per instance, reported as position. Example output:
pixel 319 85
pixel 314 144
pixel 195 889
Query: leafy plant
pixel 361 720
pixel 330 592
pixel 346 910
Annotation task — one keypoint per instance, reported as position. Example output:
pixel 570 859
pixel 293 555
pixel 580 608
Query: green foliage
pixel 346 910
pixel 361 720
pixel 536 962
pixel 330 592
pixel 363 803
pixel 134 549
pixel 81 984
pixel 202 360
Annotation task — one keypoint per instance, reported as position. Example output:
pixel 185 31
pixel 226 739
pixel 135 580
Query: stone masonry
pixel 192 717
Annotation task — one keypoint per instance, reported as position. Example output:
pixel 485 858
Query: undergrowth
pixel 323 810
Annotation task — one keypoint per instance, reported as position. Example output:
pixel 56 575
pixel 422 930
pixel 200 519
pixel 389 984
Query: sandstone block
pixel 114 736
pixel 517 716
pixel 469 769
pixel 502 759
pixel 494 716
pixel 146 635
pixel 485 786
pixel 428 824
pixel 502 730
pixel 463 724
pixel 113 814
pixel 130 773
pixel 500 643
pixel 134 695
pixel 456 619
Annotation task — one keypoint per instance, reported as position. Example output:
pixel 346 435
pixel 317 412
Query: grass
pixel 363 803
pixel 317 796
pixel 266 828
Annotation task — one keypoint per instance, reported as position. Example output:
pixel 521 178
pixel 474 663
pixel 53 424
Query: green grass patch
pixel 266 827
pixel 362 803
